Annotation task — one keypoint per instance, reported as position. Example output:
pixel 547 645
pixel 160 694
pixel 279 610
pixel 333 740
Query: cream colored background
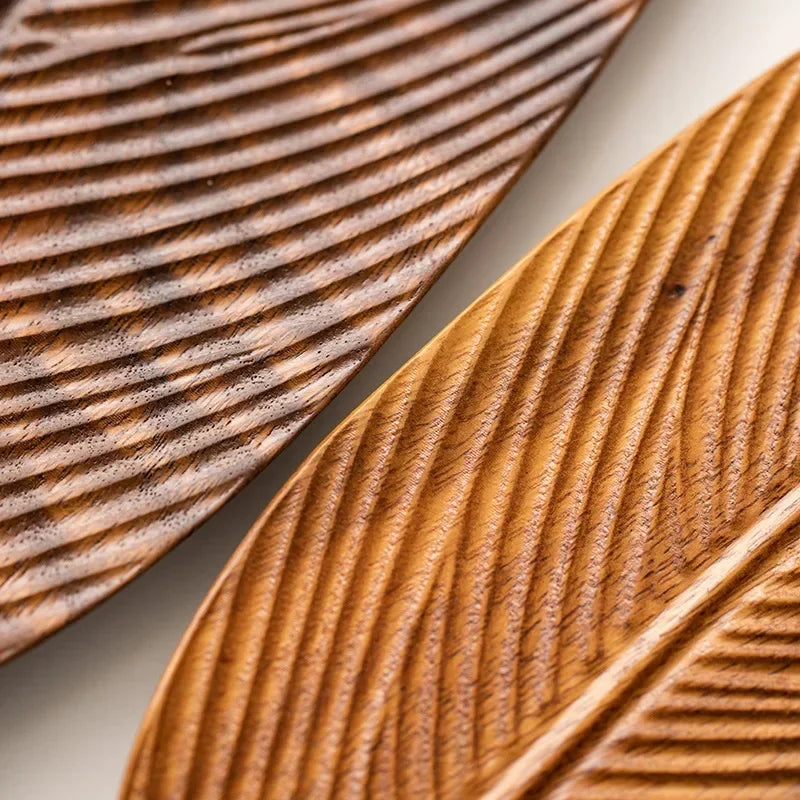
pixel 70 708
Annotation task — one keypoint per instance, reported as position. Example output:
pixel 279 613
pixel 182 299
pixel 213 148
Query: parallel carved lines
pixel 724 719
pixel 466 582
pixel 210 216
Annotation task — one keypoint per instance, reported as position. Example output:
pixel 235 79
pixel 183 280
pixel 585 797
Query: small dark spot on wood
pixel 677 290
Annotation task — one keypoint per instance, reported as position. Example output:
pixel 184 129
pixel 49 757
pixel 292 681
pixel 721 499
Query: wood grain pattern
pixel 555 553
pixel 211 214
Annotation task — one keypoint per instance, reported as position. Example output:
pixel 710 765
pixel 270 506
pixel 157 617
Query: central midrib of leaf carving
pixel 689 613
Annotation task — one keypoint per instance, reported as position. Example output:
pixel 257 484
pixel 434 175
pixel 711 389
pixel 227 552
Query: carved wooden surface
pixel 212 214
pixel 557 553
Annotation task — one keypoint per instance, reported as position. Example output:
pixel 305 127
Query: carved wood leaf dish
pixel 557 553
pixel 212 213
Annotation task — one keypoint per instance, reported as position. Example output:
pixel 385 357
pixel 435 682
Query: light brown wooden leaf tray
pixel 557 553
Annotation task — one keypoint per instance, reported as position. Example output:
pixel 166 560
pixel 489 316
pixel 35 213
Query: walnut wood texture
pixel 556 553
pixel 212 214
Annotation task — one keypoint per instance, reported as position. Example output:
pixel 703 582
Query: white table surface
pixel 69 709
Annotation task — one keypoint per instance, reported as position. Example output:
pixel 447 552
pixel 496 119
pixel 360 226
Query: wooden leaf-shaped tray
pixel 559 551
pixel 211 214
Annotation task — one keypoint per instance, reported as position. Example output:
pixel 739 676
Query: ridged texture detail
pixel 472 577
pixel 211 214
pixel 723 722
